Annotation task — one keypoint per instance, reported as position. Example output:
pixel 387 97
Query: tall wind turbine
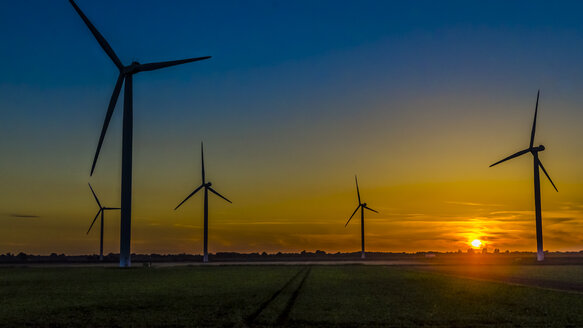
pixel 101 211
pixel 126 74
pixel 540 255
pixel 362 206
pixel 207 188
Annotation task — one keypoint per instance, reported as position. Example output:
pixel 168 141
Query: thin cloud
pixel 19 215
pixel 560 220
pixel 187 226
pixel 471 204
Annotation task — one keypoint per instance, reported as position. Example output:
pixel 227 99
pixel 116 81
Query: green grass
pixel 381 295
pixel 139 297
pixel 559 273
pixel 563 277
pixel 349 295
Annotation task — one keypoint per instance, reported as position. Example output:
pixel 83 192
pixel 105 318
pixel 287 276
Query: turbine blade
pixel 194 192
pixel 112 208
pixel 370 209
pixel 216 193
pixel 534 122
pixel 92 223
pixel 545 171
pixel 108 115
pixel 357 191
pixel 522 152
pixel 102 42
pixel 94 195
pixel 202 161
pixel 352 215
pixel 159 65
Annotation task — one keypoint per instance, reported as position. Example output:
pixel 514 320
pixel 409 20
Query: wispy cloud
pixel 471 203
pixel 187 226
pixel 24 216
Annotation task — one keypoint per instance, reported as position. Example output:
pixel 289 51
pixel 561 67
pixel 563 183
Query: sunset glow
pixel 476 243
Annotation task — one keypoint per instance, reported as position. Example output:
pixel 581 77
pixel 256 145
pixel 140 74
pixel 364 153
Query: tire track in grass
pixel 251 318
pixel 284 316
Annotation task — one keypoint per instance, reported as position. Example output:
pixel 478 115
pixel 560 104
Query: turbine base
pixel 124 262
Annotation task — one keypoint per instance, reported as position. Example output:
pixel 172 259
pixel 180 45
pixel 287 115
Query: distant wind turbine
pixel 101 211
pixel 537 163
pixel 207 188
pixel 126 74
pixel 360 206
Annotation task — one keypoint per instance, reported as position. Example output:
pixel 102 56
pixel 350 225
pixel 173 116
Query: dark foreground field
pixel 273 295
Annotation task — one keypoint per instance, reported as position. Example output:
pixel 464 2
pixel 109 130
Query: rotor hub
pixel 132 68
pixel 539 148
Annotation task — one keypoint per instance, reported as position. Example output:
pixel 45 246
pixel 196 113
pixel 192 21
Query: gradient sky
pixel 416 97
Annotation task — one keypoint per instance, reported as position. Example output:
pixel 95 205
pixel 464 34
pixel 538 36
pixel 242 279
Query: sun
pixel 476 243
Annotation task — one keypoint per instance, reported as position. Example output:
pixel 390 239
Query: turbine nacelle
pixel 133 68
pixel 537 149
pixel 208 184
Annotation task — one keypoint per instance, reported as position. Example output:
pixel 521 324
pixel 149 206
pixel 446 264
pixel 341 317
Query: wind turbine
pixel 360 206
pixel 540 255
pixel 207 188
pixel 126 74
pixel 101 211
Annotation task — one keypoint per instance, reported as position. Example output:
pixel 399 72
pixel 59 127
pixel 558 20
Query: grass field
pixel 562 277
pixel 274 295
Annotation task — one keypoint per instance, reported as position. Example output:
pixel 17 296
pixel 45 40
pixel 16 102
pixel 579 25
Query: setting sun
pixel 476 243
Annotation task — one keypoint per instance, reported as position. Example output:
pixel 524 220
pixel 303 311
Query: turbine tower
pixel 540 255
pixel 362 206
pixel 101 211
pixel 126 74
pixel 207 188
